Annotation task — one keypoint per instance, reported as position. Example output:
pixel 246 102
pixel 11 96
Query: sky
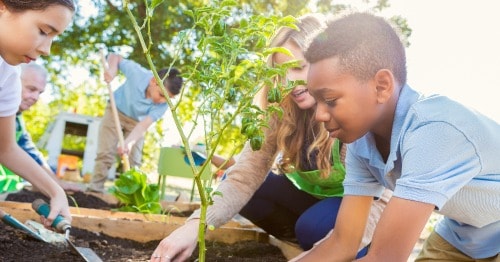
pixel 455 50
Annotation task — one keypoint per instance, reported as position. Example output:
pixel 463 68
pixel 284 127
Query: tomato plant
pixel 230 68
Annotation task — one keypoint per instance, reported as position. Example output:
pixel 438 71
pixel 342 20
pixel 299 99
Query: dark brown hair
pixel 173 82
pixel 19 6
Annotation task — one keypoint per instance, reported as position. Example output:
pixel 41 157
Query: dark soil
pixel 17 246
pixel 80 199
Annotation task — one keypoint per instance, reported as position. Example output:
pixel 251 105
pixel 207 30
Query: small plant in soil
pixel 136 194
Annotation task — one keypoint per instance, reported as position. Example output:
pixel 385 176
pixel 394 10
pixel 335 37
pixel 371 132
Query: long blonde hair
pixel 297 127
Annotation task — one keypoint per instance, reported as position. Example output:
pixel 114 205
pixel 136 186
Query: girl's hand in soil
pixel 179 245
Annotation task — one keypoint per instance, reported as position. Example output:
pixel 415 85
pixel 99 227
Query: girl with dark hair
pixel 27 29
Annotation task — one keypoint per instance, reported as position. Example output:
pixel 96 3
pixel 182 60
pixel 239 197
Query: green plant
pixel 229 69
pixel 135 194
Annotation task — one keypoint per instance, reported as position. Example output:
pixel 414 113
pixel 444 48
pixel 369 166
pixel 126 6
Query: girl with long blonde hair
pixel 299 205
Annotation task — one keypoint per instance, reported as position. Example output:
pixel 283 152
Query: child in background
pixel 434 153
pixel 140 102
pixel 27 29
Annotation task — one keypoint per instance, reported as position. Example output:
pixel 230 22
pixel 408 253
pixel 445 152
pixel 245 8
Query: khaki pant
pixel 106 149
pixel 437 249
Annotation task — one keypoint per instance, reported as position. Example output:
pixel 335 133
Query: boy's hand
pixel 111 69
pixel 122 150
pixel 109 75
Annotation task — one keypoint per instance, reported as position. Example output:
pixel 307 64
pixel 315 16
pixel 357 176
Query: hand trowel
pixel 12 221
pixel 62 225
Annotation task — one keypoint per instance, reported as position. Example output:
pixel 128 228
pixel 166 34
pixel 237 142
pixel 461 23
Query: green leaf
pixel 189 13
pixel 133 191
pixel 227 3
pixel 242 68
pixel 279 49
pixel 156 3
pixel 217 193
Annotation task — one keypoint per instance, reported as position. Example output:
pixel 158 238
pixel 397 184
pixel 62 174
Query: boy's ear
pixel 152 81
pixel 385 85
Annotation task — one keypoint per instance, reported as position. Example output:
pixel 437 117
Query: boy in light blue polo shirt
pixel 435 154
pixel 140 102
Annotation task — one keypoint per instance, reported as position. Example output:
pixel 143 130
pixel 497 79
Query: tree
pixel 224 52
pixel 220 47
pixel 107 26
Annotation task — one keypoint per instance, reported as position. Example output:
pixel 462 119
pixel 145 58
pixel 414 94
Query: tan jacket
pixel 246 176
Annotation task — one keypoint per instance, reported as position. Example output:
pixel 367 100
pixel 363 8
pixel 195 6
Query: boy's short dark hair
pixel 364 44
pixel 174 80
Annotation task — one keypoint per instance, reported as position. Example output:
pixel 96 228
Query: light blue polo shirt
pixel 130 97
pixel 444 154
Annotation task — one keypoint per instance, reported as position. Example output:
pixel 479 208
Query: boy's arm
pixel 343 243
pixel 398 230
pixel 136 133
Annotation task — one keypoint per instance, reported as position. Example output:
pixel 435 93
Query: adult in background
pixel 33 81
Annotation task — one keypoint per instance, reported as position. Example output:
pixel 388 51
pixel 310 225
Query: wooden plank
pixel 171 208
pixel 139 227
pixel 166 205
pixel 289 250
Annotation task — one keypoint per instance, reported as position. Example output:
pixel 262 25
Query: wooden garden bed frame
pixel 146 227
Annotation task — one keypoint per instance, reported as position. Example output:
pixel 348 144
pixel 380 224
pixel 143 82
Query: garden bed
pixel 18 247
pixel 124 236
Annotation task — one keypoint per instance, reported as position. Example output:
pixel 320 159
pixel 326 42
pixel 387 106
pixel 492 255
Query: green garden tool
pixel 10 220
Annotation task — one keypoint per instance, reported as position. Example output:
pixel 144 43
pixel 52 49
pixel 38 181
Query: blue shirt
pixel 444 154
pixel 130 97
pixel 25 142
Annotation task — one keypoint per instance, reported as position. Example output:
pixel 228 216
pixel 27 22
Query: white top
pixel 10 89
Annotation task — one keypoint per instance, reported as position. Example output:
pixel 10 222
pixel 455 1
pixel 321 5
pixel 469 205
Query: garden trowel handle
pixel 124 157
pixel 10 220
pixel 42 208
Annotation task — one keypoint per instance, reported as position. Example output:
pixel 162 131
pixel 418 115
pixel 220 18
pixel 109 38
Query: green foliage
pixel 135 194
pixel 221 46
pixel 174 43
pixel 229 68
